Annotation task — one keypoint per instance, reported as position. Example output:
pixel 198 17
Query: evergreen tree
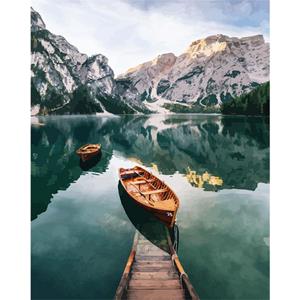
pixel 257 102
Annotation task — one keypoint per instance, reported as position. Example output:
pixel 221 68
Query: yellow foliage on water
pixel 198 180
pixel 215 180
pixel 205 176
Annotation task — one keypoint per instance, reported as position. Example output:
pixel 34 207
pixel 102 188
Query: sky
pixel 130 32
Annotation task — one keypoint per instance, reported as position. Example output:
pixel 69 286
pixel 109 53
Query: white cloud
pixel 129 35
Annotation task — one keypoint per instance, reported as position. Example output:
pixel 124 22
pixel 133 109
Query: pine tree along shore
pixel 257 102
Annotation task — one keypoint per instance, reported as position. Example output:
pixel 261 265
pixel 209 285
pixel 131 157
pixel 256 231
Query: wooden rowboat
pixel 148 191
pixel 88 151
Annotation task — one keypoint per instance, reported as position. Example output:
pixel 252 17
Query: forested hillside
pixel 257 102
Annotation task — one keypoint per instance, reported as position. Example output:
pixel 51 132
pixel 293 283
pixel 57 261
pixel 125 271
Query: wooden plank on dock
pixel 150 257
pixel 154 274
pixel 141 284
pixel 155 295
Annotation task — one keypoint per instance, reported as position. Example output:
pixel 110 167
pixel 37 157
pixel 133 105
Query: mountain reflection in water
pixel 234 149
pixel 81 234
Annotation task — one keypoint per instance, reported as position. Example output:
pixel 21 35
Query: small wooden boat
pixel 148 191
pixel 88 151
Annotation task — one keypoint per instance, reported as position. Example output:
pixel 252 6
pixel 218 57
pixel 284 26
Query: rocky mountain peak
pixel 161 64
pixel 98 58
pixel 212 70
pixel 36 21
pixel 64 80
pixel 219 42
pixel 208 46
pixel 164 60
pixel 96 67
pixel 210 39
pixel 96 70
pixel 255 40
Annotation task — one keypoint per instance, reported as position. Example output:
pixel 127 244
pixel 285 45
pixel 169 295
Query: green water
pixel 81 231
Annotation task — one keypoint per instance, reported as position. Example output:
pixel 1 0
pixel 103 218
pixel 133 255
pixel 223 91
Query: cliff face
pixel 209 72
pixel 63 80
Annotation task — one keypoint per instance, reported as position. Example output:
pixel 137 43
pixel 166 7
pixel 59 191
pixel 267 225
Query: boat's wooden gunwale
pixel 88 149
pixel 168 188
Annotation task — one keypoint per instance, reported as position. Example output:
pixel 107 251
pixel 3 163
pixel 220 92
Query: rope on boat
pixel 181 276
pixel 175 237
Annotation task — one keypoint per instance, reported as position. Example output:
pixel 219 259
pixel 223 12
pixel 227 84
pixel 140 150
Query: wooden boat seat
pixel 155 191
pixel 143 181
pixel 131 172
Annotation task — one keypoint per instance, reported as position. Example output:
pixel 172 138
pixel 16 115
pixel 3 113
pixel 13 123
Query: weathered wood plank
pixel 153 266
pixel 154 275
pixel 149 246
pixel 152 250
pixel 166 263
pixel 152 253
pixel 150 269
pixel 151 258
pixel 155 294
pixel 137 284
pixel 155 191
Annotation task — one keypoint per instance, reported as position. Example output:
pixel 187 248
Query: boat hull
pixel 159 214
pixel 88 151
pixel 167 216
pixel 86 157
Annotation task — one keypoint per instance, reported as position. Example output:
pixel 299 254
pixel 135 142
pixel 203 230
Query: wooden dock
pixel 154 272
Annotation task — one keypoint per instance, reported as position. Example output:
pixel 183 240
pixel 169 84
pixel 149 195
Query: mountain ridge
pixel 211 71
pixel 60 74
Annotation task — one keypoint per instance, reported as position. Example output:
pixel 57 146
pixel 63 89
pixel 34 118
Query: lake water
pixel 81 232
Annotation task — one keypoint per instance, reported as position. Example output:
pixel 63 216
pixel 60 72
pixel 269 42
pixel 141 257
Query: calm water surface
pixel 82 232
